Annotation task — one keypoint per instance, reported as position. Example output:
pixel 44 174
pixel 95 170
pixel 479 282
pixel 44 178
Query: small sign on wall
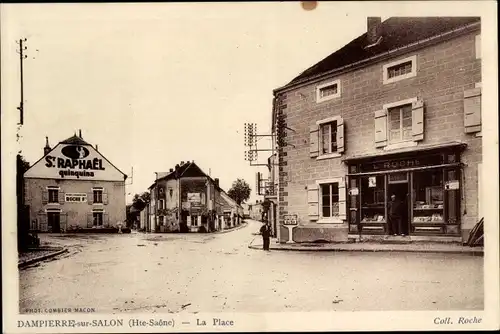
pixel 354 191
pixel 372 182
pixel 452 185
pixel 290 220
pixel 75 197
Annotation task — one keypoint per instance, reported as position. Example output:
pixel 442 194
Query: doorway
pixel 54 221
pixel 399 186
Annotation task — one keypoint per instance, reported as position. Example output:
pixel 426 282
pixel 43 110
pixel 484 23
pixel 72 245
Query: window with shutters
pixel 53 194
pixel 328 91
pixel 329 200
pixel 98 218
pixel 97 195
pixel 400 70
pixel 327 138
pixel 400 123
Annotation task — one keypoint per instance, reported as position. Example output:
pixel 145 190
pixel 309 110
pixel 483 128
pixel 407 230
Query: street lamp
pixel 156 200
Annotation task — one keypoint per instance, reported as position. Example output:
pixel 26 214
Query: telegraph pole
pixel 22 56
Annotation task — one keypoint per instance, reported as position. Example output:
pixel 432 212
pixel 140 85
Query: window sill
pixel 399 78
pixel 479 134
pixel 330 221
pixel 329 156
pixel 404 144
pixel 53 203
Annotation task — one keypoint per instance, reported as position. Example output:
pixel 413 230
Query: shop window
pixel 328 137
pixel 98 195
pixel 400 123
pixel 329 200
pixel 428 199
pixel 53 194
pixel 373 199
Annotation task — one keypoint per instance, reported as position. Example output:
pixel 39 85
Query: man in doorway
pixel 395 207
pixel 265 231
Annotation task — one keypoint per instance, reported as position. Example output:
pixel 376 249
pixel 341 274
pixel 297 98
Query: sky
pixel 156 84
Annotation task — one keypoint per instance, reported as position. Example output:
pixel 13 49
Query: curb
pixel 304 249
pixel 41 258
pixel 232 229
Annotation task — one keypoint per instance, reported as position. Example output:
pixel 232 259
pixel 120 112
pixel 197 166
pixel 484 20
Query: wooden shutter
pixel 314 140
pixel 104 197
pixel 63 221
pixel 105 220
pixel 90 198
pixel 313 201
pixel 45 196
pixel 342 200
pixel 417 120
pixel 60 198
pixel 90 219
pixel 472 110
pixel 340 135
pixel 381 128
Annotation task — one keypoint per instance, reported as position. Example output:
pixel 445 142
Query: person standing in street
pixel 265 231
pixel 395 207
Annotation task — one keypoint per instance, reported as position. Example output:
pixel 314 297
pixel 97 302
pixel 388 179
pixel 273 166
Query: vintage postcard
pixel 249 166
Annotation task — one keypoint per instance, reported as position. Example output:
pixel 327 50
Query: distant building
pixel 73 186
pixel 186 199
pixel 395 111
pixel 256 210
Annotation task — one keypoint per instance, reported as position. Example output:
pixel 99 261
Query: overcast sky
pixel 155 84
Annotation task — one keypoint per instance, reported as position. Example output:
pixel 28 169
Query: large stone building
pixel 395 111
pixel 73 186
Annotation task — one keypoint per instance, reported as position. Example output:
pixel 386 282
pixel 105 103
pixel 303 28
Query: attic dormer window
pixel 400 70
pixel 328 91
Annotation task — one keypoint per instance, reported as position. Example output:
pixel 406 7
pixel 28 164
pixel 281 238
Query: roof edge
pixel 413 46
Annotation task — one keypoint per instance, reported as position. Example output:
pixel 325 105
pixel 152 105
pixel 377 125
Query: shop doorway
pixel 399 186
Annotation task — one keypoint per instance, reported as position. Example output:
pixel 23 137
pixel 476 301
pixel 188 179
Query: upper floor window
pixel 400 123
pixel 400 70
pixel 328 91
pixel 328 137
pixel 53 194
pixel 97 195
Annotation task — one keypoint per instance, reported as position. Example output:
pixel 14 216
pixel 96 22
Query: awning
pixel 412 150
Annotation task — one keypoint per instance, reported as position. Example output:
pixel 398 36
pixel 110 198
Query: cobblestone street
pixel 219 273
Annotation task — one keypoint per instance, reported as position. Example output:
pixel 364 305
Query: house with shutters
pixel 396 111
pixel 74 187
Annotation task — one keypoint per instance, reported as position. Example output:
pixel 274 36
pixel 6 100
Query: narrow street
pixel 219 273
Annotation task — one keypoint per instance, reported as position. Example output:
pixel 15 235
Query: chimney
pixel 80 133
pixel 96 147
pixel 177 167
pixel 182 163
pixel 216 181
pixel 47 148
pixel 372 31
pixel 171 170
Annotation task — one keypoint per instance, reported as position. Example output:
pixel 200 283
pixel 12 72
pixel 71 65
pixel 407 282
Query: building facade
pixel 73 187
pixel 397 111
pixel 185 199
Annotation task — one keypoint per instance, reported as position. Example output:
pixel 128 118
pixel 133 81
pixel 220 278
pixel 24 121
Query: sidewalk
pixel 38 254
pixel 232 228
pixel 415 247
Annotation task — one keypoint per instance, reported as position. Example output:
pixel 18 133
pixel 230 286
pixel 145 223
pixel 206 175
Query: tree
pixel 240 191
pixel 140 201
pixel 24 240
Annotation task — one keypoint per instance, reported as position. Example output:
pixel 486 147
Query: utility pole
pixel 22 56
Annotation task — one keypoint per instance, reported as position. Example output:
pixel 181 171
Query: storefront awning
pixel 413 150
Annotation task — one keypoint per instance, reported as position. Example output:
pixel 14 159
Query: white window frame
pixel 319 123
pixel 407 142
pixel 53 210
pixel 101 211
pixel 321 219
pixel 478 46
pixel 329 97
pixel 413 73
pixel 49 188
pixel 101 189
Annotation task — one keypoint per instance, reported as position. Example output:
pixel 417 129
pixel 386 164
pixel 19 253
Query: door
pixel 399 187
pixel 54 222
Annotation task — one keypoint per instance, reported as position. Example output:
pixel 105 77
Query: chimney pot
pixel 171 170
pixel 80 133
pixel 372 31
pixel 47 148
pixel 182 163
pixel 96 147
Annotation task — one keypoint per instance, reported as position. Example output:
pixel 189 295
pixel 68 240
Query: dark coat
pixel 265 231
pixel 395 208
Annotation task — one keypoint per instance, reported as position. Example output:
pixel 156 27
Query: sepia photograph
pixel 249 166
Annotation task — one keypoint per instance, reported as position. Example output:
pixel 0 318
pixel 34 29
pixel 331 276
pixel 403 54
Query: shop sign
pixel 75 197
pixel 452 185
pixel 194 197
pixel 354 191
pixel 395 164
pixel 290 220
pixel 186 205
pixel 74 161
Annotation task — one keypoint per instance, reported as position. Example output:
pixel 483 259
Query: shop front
pixel 425 184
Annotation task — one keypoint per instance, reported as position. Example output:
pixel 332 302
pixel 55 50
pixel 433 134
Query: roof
pixel 396 32
pixel 74 140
